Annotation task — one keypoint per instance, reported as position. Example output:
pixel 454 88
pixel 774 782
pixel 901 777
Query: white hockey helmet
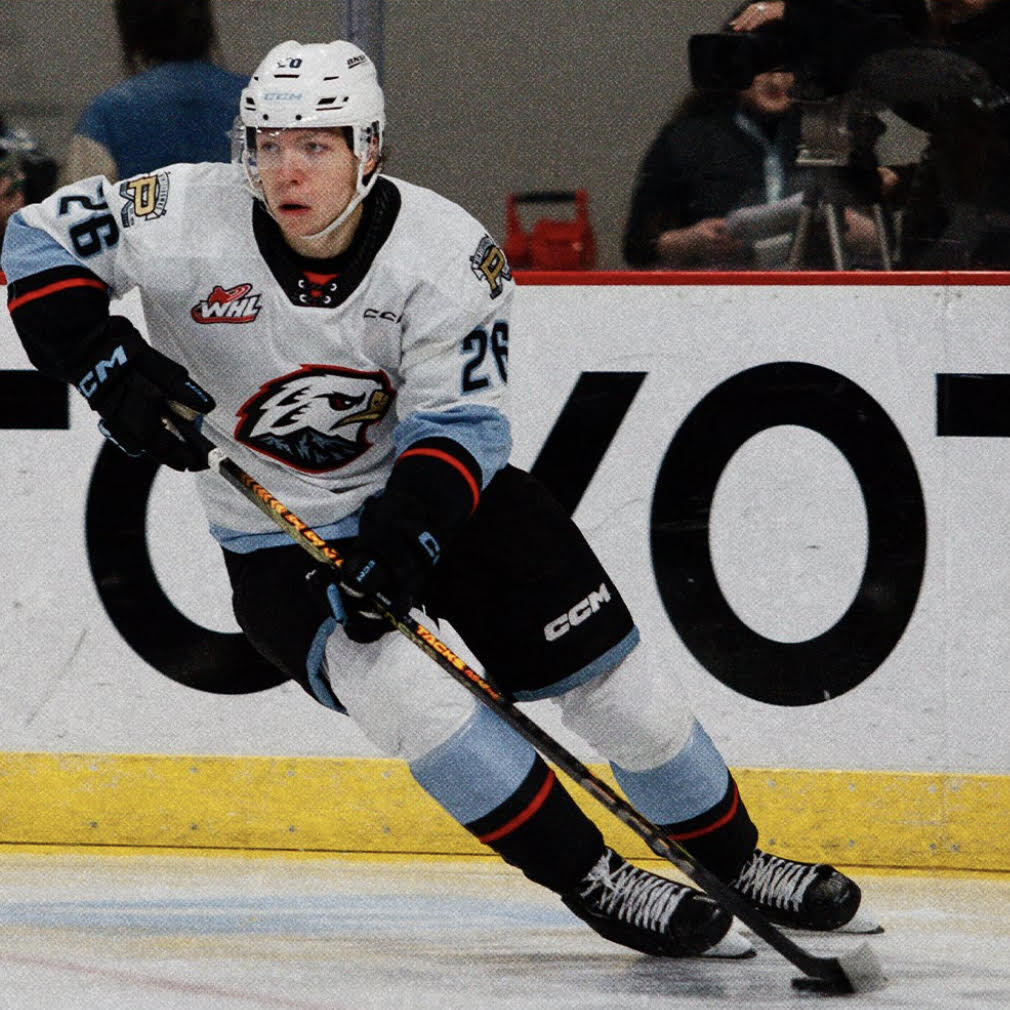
pixel 309 85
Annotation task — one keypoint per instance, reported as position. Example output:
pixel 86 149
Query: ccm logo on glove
pixel 136 389
pixel 582 610
pixel 98 374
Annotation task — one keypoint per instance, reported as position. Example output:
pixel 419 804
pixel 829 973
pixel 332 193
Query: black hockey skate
pixel 646 912
pixel 799 895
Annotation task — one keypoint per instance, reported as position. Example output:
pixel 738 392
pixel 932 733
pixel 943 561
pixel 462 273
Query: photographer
pixel 727 147
pixel 717 153
pixel 944 69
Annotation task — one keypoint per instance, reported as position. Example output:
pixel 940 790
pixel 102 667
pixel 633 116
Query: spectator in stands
pixel 957 201
pixel 722 151
pixel 27 175
pixel 176 105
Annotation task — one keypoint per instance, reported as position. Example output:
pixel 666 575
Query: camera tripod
pixel 828 198
pixel 839 178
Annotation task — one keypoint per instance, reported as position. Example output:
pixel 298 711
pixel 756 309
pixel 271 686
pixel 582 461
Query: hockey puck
pixel 825 986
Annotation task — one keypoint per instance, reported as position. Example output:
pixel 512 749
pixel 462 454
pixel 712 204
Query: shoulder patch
pixel 488 264
pixel 144 198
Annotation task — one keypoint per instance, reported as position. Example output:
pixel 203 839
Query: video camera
pixel 823 42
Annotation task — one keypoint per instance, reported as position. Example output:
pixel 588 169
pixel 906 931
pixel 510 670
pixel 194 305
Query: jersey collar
pixel 328 283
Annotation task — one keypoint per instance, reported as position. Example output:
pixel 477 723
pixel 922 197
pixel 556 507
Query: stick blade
pixel 863 969
pixel 859 970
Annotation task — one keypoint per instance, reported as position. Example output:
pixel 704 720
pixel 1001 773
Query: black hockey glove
pixel 389 561
pixel 130 385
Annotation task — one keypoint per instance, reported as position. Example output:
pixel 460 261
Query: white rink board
pixel 788 535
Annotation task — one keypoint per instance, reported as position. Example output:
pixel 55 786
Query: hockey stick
pixel 856 971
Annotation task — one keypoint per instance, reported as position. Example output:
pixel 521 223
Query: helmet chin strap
pixel 341 217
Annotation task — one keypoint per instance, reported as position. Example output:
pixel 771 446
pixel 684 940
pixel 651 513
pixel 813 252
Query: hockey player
pixel 344 336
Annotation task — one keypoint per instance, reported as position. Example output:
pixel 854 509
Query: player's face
pixel 308 178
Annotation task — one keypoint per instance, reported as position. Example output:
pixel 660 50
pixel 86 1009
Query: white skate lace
pixel 638 898
pixel 778 882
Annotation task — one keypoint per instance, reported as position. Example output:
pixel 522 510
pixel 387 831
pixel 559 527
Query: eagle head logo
pixel 317 418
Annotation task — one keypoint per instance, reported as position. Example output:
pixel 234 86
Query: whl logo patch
pixel 236 305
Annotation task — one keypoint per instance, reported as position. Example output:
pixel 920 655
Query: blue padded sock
pixel 693 781
pixel 477 769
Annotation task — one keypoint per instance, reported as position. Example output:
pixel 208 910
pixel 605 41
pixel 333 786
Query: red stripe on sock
pixel 521 818
pixel 49 289
pixel 725 819
pixel 452 461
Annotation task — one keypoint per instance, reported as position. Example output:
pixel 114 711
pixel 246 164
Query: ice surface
pixel 167 931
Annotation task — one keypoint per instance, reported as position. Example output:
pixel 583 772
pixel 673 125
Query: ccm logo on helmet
pixel 582 610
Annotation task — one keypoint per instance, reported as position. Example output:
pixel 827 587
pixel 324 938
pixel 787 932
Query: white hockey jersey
pixel 323 371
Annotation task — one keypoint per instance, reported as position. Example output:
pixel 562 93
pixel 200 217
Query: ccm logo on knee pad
pixel 580 612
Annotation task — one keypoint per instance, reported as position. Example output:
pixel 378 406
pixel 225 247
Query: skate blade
pixel 860 924
pixel 733 945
